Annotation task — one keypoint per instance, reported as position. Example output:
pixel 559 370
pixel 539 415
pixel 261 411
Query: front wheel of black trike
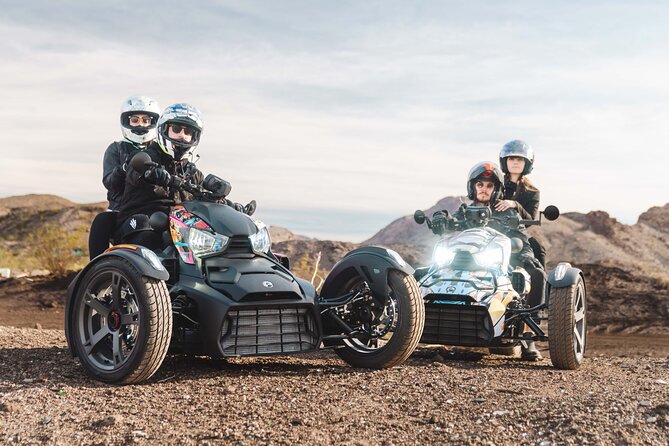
pixel 389 327
pixel 121 324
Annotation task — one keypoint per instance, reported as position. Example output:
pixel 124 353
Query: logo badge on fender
pixel 133 223
pixel 267 284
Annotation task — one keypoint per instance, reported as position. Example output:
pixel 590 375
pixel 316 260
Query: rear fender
pixel 132 254
pixel 369 262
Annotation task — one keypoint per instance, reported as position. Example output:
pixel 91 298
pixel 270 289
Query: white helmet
pixel 139 105
pixel 183 115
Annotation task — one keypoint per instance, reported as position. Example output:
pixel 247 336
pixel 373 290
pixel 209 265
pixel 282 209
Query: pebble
pixel 660 381
pixel 651 419
pixel 38 326
pixel 500 413
pixel 630 421
pixel 644 403
pixel 45 420
pixel 479 400
pixel 545 443
pixel 139 433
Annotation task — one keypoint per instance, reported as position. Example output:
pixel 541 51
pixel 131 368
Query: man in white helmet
pixel 178 133
pixel 139 116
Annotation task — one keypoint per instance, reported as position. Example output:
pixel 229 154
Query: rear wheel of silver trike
pixel 121 323
pixel 388 328
pixel 567 325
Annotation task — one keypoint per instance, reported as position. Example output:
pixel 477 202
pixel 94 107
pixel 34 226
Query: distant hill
pixel 626 266
pixel 593 238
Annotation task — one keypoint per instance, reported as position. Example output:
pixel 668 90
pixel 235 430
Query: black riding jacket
pixel 528 201
pixel 142 197
pixel 113 176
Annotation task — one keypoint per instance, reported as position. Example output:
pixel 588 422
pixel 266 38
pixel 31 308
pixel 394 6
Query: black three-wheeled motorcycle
pixel 217 290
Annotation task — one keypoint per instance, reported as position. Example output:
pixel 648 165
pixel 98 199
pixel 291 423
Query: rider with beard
pixel 155 190
pixel 139 115
pixel 485 187
pixel 517 161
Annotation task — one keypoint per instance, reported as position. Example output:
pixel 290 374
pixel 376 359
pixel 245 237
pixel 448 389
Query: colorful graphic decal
pixel 180 223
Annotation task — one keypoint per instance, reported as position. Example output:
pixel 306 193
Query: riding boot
pixel 530 353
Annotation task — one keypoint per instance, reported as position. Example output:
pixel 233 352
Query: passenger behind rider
pixel 139 115
pixel 154 190
pixel 517 161
pixel 485 187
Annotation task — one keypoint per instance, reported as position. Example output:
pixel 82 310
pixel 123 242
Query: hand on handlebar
pixel 159 176
pixel 193 173
pixel 439 222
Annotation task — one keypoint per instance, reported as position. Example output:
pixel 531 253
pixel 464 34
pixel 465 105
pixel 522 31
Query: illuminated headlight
pixel 442 254
pixel 489 257
pixel 261 241
pixel 203 243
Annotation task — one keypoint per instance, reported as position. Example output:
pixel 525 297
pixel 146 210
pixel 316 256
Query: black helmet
pixel 486 171
pixel 517 148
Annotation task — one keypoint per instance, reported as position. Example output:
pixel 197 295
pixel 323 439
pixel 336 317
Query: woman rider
pixel 517 160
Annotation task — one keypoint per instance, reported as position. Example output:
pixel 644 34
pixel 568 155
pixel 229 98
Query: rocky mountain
pixel 626 266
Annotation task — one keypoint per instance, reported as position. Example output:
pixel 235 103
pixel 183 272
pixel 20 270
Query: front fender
pixel 134 256
pixel 369 262
pixel 564 275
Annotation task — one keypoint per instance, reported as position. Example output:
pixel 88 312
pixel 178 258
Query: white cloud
pixel 367 105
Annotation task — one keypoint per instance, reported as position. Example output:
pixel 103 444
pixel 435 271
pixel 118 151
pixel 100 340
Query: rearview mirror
pixel 218 186
pixel 419 217
pixel 551 213
pixel 141 162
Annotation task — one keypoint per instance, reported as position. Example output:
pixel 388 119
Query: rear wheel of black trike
pixel 121 323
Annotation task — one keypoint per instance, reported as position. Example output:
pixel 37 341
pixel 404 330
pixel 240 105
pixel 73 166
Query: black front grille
pixel 239 244
pixel 450 324
pixel 265 331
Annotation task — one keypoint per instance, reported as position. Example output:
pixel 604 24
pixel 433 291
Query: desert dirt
pixel 441 395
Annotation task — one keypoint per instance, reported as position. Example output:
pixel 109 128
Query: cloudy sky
pixel 338 117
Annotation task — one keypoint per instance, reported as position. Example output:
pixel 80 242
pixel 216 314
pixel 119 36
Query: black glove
pixel 158 176
pixel 193 173
pixel 439 222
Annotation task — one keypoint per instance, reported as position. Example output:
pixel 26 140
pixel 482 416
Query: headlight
pixel 261 241
pixel 442 254
pixel 202 243
pixel 489 257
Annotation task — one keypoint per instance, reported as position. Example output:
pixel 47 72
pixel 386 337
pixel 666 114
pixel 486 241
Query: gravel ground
pixel 438 396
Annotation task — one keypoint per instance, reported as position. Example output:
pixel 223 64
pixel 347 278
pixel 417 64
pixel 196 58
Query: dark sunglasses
pixel 176 128
pixel 140 120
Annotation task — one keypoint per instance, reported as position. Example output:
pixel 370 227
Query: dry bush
pixel 55 249
pixel 308 267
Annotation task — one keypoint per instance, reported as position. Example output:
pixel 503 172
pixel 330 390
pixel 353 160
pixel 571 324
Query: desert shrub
pixel 308 267
pixel 57 249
